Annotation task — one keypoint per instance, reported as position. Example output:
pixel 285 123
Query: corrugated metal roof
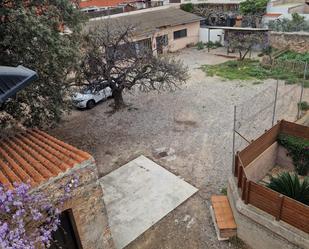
pixel 35 156
pixel 149 22
pixel 14 79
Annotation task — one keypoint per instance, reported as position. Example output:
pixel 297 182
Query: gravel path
pixel 193 125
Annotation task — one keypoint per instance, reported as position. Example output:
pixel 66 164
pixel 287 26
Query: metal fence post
pixel 275 103
pixel 208 49
pixel 234 127
pixel 301 92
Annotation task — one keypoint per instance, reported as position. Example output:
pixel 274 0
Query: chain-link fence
pixel 259 113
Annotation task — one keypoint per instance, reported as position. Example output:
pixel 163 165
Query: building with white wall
pixel 162 29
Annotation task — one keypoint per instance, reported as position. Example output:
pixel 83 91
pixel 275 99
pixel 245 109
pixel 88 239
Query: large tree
pixel 253 11
pixel 33 35
pixel 253 7
pixel 112 58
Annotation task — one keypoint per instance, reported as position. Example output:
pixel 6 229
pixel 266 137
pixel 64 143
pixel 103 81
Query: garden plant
pixel 28 218
pixel 292 186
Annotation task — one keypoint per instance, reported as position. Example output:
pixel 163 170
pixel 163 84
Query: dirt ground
pixel 193 128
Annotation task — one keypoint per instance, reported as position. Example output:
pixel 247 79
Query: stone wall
pixel 294 41
pixel 86 204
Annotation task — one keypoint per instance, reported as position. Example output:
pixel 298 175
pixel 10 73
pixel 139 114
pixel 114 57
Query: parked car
pixel 90 96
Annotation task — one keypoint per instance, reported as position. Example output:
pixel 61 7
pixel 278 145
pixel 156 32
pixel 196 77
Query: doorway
pixel 66 236
pixel 162 41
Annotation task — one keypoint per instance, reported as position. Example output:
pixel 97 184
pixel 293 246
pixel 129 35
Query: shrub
pixel 200 45
pixel 299 57
pixel 218 44
pixel 304 105
pixel 291 186
pixel 298 23
pixel 253 7
pixel 187 7
pixel 298 149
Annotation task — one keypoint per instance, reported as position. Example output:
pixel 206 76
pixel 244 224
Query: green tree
pixel 243 42
pixel 253 11
pixel 33 34
pixel 253 7
pixel 297 23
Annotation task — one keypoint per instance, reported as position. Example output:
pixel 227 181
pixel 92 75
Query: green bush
pixel 212 44
pixel 304 106
pixel 200 45
pixel 218 44
pixel 224 191
pixel 253 7
pixel 298 149
pixel 187 7
pixel 298 23
pixel 290 55
pixel 291 186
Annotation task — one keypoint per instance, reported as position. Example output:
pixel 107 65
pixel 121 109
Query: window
pixel 180 34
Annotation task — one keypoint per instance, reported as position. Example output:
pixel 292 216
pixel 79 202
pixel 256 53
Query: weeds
pixel 252 70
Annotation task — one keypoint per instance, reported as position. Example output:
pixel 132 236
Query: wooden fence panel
pixel 253 150
pixel 264 199
pixel 294 129
pixel 296 214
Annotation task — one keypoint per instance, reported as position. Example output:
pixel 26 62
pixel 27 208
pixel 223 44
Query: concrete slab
pixel 139 194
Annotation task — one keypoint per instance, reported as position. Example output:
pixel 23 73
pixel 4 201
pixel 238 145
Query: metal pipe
pixel 234 127
pixel 275 104
pixel 302 92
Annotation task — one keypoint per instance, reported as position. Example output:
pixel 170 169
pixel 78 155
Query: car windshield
pixel 87 90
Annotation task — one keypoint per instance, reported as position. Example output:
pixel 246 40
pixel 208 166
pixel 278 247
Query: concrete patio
pixel 139 194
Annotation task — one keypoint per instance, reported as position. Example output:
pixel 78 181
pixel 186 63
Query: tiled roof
pixel 273 14
pixel 149 22
pixel 35 156
pixel 100 3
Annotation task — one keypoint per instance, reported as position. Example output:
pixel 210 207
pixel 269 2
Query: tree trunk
pixel 118 99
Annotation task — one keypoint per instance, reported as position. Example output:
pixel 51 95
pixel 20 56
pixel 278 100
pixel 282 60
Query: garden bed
pixel 258 159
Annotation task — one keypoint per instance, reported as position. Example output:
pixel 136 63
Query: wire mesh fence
pixel 281 100
pixel 261 112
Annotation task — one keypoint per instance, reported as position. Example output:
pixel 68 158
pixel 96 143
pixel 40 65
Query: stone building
pixel 48 164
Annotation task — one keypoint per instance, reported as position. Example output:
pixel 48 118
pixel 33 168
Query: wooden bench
pixel 223 218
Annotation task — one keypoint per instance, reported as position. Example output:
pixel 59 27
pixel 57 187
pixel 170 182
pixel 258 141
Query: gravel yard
pixel 189 132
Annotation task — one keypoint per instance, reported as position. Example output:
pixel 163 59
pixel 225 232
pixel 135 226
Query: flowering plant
pixel 28 218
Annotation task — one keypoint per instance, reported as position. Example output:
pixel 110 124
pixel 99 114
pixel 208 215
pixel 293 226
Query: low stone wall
pixel 294 41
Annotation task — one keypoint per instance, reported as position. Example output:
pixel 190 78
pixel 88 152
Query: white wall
pixel 215 35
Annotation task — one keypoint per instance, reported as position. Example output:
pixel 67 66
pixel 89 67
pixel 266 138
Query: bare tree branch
pixel 112 57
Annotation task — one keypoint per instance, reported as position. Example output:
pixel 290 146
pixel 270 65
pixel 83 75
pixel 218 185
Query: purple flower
pixel 19 206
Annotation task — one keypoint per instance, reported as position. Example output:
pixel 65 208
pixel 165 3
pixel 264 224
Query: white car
pixel 90 96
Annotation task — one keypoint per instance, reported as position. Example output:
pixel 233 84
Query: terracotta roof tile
pixel 35 156
pixel 100 3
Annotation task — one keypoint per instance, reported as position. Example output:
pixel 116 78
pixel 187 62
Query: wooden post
pixel 248 185
pixel 239 176
pixel 243 187
pixel 236 165
pixel 278 216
